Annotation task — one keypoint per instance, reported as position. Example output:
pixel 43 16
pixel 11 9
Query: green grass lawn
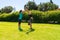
pixel 9 31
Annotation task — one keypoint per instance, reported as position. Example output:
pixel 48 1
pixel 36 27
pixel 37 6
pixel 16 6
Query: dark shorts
pixel 19 21
pixel 29 22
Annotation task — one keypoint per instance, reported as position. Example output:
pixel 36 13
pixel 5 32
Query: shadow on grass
pixel 29 31
pixel 20 29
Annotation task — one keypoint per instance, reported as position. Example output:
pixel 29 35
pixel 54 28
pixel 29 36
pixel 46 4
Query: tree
pixel 47 6
pixel 33 0
pixel 31 5
pixel 7 9
pixel 51 1
pixel 0 11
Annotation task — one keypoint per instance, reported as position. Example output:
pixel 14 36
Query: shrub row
pixel 39 17
pixel 9 17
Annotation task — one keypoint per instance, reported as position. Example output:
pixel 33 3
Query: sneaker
pixel 20 29
pixel 32 29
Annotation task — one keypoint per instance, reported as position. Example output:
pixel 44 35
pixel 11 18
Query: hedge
pixel 38 16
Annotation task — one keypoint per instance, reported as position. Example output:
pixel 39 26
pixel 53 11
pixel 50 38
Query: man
pixel 30 17
pixel 20 20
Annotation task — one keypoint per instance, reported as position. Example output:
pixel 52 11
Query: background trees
pixel 6 9
pixel 31 5
pixel 47 6
pixel 42 6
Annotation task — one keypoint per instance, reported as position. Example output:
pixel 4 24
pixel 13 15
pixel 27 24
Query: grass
pixel 9 31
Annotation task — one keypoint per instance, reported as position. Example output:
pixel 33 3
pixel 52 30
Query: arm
pixel 23 12
pixel 32 18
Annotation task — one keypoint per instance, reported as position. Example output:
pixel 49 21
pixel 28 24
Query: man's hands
pixel 32 18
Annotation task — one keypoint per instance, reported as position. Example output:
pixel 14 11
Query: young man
pixel 20 20
pixel 30 18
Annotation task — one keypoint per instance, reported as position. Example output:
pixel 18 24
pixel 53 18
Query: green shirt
pixel 20 15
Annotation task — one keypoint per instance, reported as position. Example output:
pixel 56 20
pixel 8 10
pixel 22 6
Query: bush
pixel 9 17
pixel 39 17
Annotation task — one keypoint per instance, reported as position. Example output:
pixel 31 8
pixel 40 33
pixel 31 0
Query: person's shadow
pixel 28 31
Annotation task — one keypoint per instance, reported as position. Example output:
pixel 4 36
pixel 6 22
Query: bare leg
pixel 30 25
pixel 31 29
pixel 19 26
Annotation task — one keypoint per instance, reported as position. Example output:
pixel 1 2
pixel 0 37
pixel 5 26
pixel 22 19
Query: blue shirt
pixel 20 15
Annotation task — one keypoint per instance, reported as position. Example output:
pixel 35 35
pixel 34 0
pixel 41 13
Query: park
pixel 46 22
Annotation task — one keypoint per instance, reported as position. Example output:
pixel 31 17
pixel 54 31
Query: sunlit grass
pixel 9 31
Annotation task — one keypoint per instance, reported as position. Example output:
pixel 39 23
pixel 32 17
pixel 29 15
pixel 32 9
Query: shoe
pixel 32 29
pixel 20 29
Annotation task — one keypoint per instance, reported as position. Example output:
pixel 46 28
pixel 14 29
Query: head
pixel 20 11
pixel 26 8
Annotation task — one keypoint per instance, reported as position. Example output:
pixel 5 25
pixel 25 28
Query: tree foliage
pixel 51 1
pixel 31 5
pixel 47 6
pixel 6 9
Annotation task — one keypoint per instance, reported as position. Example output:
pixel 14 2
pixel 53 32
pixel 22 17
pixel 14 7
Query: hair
pixel 26 7
pixel 20 11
